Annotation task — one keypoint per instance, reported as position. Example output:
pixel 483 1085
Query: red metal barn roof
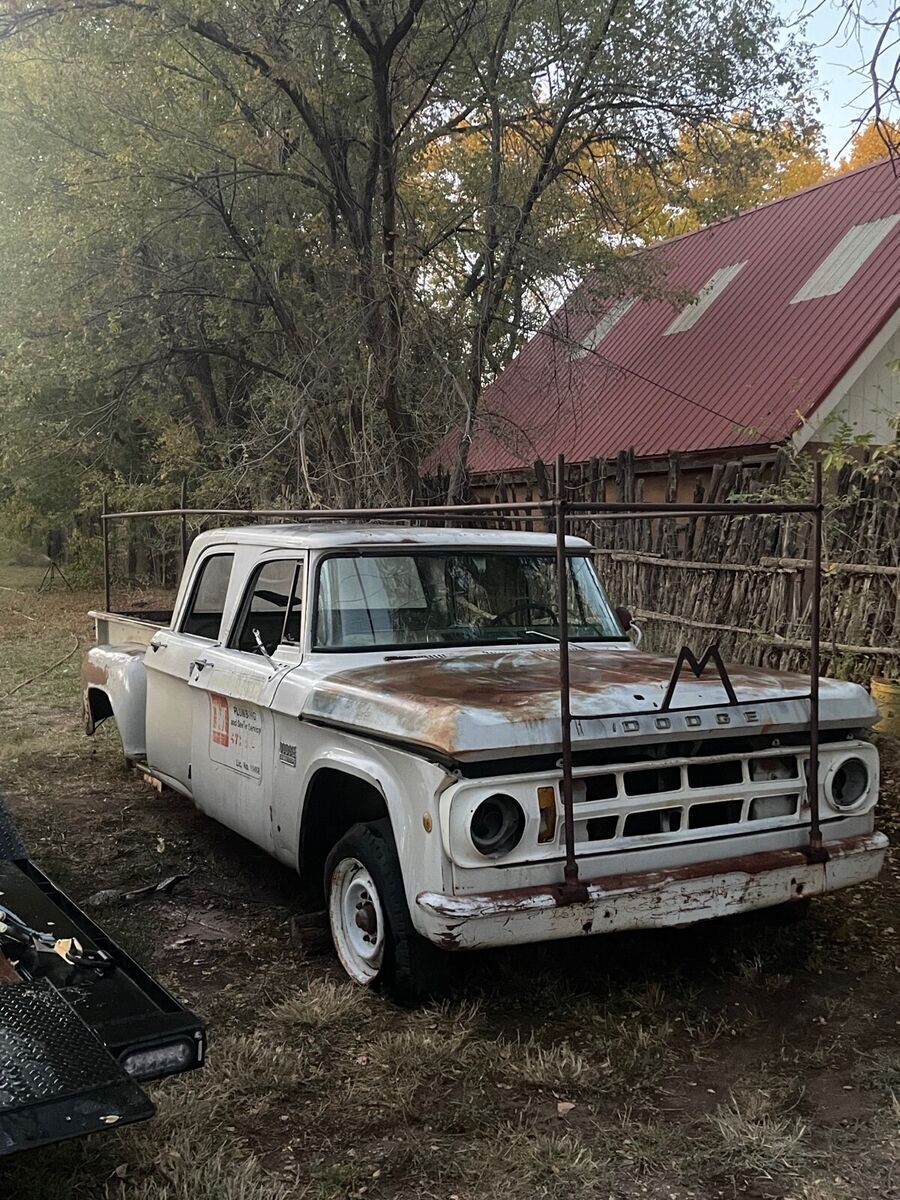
pixel 747 369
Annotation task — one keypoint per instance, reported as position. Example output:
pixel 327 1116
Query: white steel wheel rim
pixel 357 921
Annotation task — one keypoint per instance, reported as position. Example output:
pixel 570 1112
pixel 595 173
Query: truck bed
pixel 134 626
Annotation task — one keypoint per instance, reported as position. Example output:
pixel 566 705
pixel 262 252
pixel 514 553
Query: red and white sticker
pixel 218 716
pixel 235 735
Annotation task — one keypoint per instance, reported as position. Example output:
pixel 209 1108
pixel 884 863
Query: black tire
pixel 412 968
pixel 784 916
pixel 794 912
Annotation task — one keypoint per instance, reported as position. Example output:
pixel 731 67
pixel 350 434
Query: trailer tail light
pixel 168 1059
pixel 547 809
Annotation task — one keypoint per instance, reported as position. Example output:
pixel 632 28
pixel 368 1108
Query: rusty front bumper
pixel 643 900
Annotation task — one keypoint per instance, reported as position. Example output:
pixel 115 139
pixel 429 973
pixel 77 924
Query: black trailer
pixel 81 1024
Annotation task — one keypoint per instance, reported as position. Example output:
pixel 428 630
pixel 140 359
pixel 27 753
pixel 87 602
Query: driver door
pixel 233 686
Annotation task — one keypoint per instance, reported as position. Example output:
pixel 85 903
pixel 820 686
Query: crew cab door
pixel 233 732
pixel 170 661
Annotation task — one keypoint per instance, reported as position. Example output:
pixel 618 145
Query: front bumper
pixel 648 899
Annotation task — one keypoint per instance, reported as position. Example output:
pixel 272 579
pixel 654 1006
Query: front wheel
pixel 372 930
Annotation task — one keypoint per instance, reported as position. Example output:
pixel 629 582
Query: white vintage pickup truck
pixel 379 707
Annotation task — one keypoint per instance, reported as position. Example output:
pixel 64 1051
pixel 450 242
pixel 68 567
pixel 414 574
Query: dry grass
pixel 710 1063
pixel 756 1137
pixel 321 1003
pixel 551 1165
pixel 556 1066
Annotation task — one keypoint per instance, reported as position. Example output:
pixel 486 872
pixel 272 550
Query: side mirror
pixel 625 619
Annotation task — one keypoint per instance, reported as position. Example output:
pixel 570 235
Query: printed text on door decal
pixel 235 735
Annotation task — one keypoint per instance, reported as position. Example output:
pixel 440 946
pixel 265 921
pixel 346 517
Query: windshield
pixel 403 601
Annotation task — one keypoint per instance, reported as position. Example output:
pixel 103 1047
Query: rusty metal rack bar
pixel 556 513
pixel 517 510
pixel 347 514
pixel 815 850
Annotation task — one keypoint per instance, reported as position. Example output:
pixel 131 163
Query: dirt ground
pixel 725 1060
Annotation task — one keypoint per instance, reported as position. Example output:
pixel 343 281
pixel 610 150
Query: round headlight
pixel 497 825
pixel 849 783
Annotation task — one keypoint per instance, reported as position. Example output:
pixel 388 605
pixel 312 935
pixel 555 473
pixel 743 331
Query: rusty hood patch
pixel 479 703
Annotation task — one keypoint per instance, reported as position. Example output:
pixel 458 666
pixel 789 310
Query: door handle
pixel 199 664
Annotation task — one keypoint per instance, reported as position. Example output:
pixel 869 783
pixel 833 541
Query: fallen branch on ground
pixel 40 675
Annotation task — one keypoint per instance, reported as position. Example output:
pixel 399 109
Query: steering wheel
pixel 524 604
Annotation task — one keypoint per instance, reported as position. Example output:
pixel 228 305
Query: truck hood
pixel 487 704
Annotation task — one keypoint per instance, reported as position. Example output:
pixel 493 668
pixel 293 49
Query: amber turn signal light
pixel 547 807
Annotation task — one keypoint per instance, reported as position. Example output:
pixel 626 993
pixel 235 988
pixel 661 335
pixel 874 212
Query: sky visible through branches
pixel 843 50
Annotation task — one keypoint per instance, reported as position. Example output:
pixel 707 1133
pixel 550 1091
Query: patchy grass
pixel 715 1062
pixel 757 1135
pixel 322 1003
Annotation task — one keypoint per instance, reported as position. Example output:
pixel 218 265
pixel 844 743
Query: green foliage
pixel 850 464
pixel 84 560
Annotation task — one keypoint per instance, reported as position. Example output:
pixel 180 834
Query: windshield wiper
pixel 551 638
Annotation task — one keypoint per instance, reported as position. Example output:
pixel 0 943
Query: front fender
pixel 352 760
pixel 114 684
pixel 410 786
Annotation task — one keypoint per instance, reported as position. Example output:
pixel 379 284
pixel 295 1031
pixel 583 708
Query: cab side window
pixel 207 603
pixel 272 608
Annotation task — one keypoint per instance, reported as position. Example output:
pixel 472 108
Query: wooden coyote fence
pixel 744 582
pixel 741 581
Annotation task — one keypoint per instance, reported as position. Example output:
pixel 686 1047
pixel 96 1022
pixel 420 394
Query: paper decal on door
pixel 218 713
pixel 235 735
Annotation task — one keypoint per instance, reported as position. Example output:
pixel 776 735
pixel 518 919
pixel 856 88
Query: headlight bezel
pixel 865 774
pixel 507 816
pixel 458 808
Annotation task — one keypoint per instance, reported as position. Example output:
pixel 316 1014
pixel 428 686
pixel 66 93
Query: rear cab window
pixel 206 606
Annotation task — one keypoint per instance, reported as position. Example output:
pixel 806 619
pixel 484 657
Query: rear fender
pixel 114 684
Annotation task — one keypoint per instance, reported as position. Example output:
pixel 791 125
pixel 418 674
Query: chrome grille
pixel 670 799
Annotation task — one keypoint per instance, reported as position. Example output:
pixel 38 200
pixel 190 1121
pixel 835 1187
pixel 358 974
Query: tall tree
pixel 285 247
pixel 871 143
pixel 879 25
pixel 726 169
